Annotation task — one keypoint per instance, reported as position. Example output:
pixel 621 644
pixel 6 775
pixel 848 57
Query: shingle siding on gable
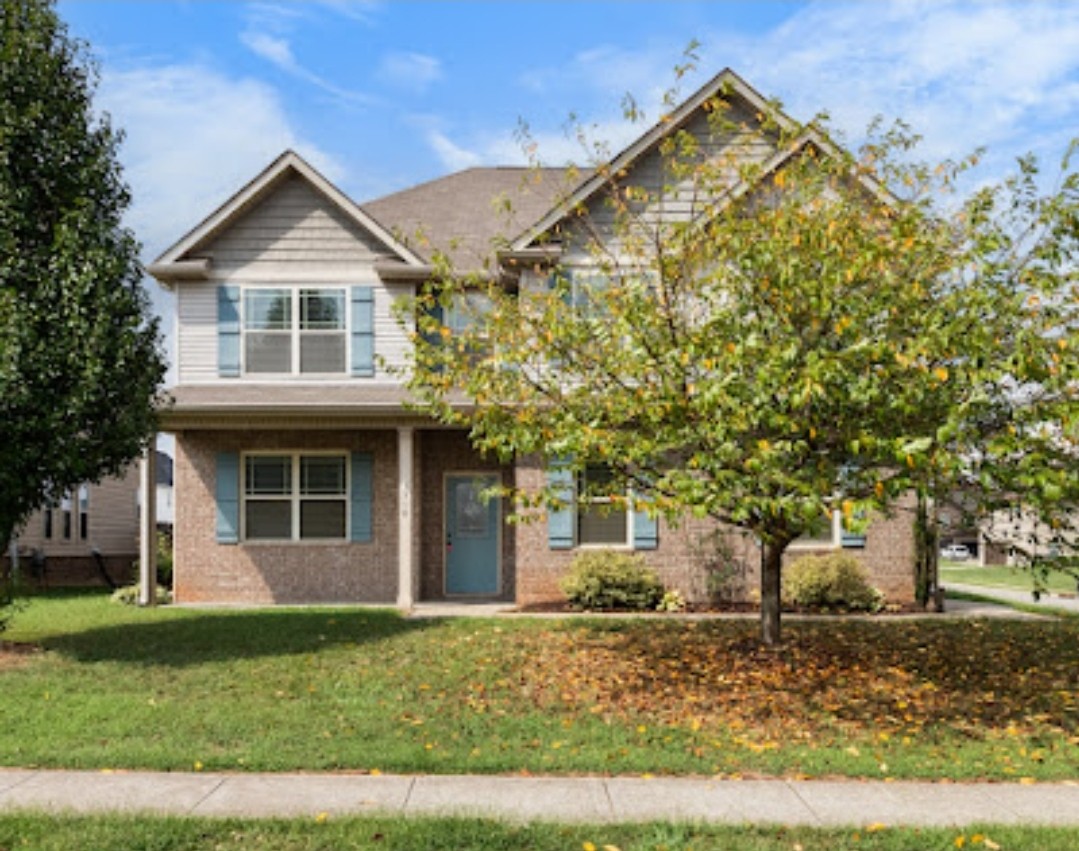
pixel 292 225
pixel 744 140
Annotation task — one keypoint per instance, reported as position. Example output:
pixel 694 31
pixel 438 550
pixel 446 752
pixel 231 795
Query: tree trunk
pixel 771 572
pixel 926 541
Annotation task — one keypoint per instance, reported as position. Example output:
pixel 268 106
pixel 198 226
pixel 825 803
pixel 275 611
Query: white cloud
pixel 412 71
pixel 963 74
pixel 271 48
pixel 453 156
pixel 192 138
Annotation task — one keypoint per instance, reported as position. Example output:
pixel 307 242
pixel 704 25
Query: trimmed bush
pixel 834 581
pixel 129 595
pixel 605 579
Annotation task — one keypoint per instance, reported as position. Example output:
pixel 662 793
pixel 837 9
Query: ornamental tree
pixel 768 338
pixel 80 360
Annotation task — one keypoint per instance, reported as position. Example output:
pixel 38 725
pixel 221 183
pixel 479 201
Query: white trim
pixel 630 512
pixel 821 544
pixel 239 202
pixel 295 332
pixel 496 476
pixel 295 498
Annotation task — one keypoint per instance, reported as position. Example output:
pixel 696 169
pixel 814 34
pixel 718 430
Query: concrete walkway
pixel 570 799
pixel 1068 602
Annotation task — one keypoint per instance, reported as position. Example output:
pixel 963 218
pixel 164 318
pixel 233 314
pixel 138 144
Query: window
pixel 833 534
pixel 599 523
pixel 72 510
pixel 294 331
pixel 84 511
pixel 295 497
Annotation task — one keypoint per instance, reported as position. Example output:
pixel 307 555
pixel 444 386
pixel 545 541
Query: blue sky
pixel 381 95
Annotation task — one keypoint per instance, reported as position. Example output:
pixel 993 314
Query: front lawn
pixel 365 690
pixel 131 833
pixel 1002 576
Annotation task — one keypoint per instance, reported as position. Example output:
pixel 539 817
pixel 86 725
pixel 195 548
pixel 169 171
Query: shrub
pixel 605 579
pixel 830 581
pixel 7 597
pixel 129 595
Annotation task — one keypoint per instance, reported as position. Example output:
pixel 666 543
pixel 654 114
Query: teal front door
pixel 472 536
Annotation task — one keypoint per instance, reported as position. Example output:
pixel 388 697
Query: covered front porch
pixel 415 520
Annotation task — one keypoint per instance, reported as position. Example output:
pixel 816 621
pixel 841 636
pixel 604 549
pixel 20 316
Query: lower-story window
pixel 295 497
pixel 599 521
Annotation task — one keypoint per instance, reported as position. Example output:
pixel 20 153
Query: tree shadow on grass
pixel 193 638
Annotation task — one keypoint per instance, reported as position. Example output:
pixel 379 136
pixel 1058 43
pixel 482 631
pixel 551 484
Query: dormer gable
pixel 289 210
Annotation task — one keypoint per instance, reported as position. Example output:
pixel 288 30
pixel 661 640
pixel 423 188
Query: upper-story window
pixel 295 331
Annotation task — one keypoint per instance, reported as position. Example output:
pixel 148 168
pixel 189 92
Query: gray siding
pixel 674 202
pixel 113 522
pixel 294 225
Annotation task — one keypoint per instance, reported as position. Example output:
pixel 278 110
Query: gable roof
pixel 726 81
pixel 467 214
pixel 176 262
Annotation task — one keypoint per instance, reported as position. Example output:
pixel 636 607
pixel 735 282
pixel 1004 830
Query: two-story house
pixel 300 473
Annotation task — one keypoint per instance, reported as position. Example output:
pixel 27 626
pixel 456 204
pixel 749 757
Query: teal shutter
pixel 228 331
pixel 227 494
pixel 645 531
pixel 363 331
pixel 362 493
pixel 560 521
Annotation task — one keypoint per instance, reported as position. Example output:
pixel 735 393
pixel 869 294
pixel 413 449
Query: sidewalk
pixel 569 799
pixel 1048 600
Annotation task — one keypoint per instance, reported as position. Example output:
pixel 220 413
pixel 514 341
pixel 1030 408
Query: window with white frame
pixel 600 521
pixel 295 497
pixel 72 508
pixel 832 533
pixel 290 330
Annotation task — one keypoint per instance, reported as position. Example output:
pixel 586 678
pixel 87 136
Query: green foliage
pixel 128 595
pixel 164 559
pixel 79 354
pixel 820 335
pixel 7 597
pixel 832 581
pixel 600 580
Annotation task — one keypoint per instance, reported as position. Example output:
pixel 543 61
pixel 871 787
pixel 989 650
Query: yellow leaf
pixel 611 848
pixel 322 817
pixel 941 373
pixel 375 772
pixel 588 846
pixel 876 827
pixel 991 845
pixel 960 841
pixel 1027 781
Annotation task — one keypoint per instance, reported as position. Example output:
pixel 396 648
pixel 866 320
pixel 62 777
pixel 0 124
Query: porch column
pixel 148 525
pixel 406 567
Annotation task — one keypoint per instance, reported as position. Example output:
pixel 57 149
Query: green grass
pixel 361 690
pixel 1001 576
pixel 143 833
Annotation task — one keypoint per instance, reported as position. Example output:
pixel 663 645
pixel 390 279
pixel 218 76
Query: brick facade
pixel 702 560
pixel 697 557
pixel 308 572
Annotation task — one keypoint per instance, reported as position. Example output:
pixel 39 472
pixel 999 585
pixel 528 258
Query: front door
pixel 472 535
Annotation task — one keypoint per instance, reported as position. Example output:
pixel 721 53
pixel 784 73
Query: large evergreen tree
pixel 80 359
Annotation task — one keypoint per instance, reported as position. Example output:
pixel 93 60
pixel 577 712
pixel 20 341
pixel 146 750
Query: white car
pixel 955 552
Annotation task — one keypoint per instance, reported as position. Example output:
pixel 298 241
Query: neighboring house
pixel 301 475
pixel 101 518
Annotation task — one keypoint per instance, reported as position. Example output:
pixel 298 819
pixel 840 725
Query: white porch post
pixel 405 563
pixel 148 526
